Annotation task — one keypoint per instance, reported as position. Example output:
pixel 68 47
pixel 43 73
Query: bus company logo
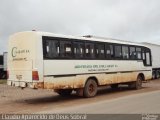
pixel 16 51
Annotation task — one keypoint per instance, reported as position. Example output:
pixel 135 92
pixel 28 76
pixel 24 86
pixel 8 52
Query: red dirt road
pixel 15 100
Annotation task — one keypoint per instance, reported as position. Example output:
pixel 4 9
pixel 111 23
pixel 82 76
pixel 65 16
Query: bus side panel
pixel 147 75
pixel 58 82
pixel 74 73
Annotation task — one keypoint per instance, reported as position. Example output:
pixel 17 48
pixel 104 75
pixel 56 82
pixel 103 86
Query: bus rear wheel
pixel 136 84
pixel 64 92
pixel 90 89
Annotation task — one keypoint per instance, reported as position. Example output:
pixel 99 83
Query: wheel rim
pixel 91 89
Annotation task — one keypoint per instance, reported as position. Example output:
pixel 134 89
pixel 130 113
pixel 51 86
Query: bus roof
pixel 92 38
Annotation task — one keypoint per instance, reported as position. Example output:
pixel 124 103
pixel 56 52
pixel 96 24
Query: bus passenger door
pixel 147 57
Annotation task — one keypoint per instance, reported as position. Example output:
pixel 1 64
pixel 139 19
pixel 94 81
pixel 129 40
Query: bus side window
pixel 139 53
pixel 118 51
pixel 109 51
pixel 89 50
pixel 78 49
pixel 51 49
pixel 100 51
pixel 112 51
pixel 125 52
pixel 132 53
pixel 65 49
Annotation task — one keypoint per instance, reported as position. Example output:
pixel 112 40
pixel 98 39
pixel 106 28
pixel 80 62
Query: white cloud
pixel 136 20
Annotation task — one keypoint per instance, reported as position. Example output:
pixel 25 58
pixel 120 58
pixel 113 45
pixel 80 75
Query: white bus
pixel 66 63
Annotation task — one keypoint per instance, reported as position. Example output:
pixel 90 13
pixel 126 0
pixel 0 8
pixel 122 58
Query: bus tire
pixel 90 89
pixel 64 92
pixel 136 84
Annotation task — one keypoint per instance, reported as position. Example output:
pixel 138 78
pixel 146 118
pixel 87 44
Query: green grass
pixel 3 81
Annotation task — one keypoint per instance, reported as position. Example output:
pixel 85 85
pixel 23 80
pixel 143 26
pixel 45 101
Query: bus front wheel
pixel 136 84
pixel 90 89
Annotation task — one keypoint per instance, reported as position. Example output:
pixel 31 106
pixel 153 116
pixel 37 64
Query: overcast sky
pixel 133 20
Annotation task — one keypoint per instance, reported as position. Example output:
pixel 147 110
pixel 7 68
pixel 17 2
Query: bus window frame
pixel 128 52
pixel 146 50
pixel 74 42
pixel 99 55
pixel 114 47
pixel 89 56
pixel 107 46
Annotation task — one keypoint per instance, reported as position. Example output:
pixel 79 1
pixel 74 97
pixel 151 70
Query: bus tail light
pixel 35 75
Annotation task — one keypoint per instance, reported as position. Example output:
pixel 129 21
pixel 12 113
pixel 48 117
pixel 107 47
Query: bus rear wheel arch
pixel 90 88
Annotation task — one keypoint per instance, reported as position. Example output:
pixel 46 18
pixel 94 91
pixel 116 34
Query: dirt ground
pixel 15 100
